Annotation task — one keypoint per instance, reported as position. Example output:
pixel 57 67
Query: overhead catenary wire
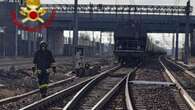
pixel 132 2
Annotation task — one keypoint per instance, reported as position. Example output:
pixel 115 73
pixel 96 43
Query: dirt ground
pixel 16 81
pixel 19 81
pixel 192 60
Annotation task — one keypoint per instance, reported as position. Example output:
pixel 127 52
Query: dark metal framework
pixel 119 9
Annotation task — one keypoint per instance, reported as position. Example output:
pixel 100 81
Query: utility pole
pixel 69 44
pixel 100 44
pixel 2 34
pixel 173 46
pixel 94 52
pixel 16 34
pixel 177 36
pixel 177 46
pixel 75 31
pixel 110 43
pixel 187 48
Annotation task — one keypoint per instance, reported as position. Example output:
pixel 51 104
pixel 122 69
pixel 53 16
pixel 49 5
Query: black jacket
pixel 43 59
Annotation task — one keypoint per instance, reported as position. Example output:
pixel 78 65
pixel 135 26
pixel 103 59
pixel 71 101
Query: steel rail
pixel 182 68
pixel 48 100
pixel 70 90
pixel 127 95
pixel 18 97
pixel 71 104
pixel 128 100
pixel 110 94
pixel 182 91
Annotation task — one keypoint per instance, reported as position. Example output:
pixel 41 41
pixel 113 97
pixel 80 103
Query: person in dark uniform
pixel 43 60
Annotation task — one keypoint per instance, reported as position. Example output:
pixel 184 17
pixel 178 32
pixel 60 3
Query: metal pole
pixel 176 46
pixel 3 44
pixel 193 43
pixel 3 40
pixel 75 31
pixel 35 41
pixel 94 44
pixel 186 55
pixel 110 43
pixel 69 44
pixel 16 43
pixel 29 43
pixel 173 46
pixel 16 37
pixel 100 44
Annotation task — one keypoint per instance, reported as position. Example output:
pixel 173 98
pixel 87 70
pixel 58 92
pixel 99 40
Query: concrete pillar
pixel 10 42
pixel 44 34
pixel 93 45
pixel 100 44
pixel 26 38
pixel 193 43
pixel 56 41
pixel 173 46
pixel 186 47
pixel 16 43
pixel 35 35
pixel 70 44
pixel 75 31
pixel 177 46
pixel 29 43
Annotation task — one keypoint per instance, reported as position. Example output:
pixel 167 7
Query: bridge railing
pixel 118 9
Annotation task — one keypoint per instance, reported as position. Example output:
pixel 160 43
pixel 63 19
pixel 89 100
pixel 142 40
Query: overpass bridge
pixel 120 19
pixel 110 22
pixel 117 9
pixel 116 18
pixel 158 19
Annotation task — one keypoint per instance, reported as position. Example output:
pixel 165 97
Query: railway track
pixel 15 98
pixel 150 88
pixel 16 102
pixel 183 79
pixel 97 92
pixel 117 101
pixel 15 77
pixel 64 93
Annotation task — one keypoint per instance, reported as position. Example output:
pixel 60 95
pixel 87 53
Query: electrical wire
pixel 61 1
pixel 132 2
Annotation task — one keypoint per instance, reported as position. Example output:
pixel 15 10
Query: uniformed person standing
pixel 43 60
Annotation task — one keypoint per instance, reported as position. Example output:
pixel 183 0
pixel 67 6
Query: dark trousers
pixel 43 78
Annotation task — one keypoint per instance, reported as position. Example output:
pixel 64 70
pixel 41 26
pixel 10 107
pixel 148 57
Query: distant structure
pixel 104 18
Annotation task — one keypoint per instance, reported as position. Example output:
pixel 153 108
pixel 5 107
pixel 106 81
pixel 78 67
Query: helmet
pixel 43 44
pixel 31 3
